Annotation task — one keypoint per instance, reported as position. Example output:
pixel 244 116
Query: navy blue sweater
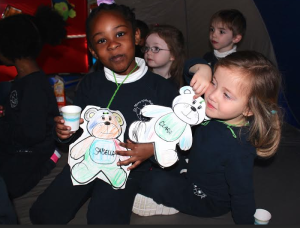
pixel 188 64
pixel 222 165
pixel 29 116
pixel 96 90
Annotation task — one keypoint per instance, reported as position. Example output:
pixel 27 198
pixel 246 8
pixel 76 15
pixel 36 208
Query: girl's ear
pixel 237 38
pixel 137 36
pixel 172 58
pixel 247 112
pixel 93 53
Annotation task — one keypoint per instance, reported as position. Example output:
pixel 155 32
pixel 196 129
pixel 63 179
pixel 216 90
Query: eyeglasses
pixel 154 49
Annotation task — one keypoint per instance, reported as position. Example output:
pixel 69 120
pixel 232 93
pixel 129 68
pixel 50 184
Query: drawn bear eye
pixel 194 102
pixel 103 118
pixel 110 118
pixel 199 107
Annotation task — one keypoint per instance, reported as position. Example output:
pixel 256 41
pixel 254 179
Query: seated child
pixel 245 122
pixel 125 84
pixel 164 53
pixel 227 28
pixel 27 146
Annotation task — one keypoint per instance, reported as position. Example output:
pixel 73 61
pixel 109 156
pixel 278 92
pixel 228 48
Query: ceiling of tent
pixel 192 18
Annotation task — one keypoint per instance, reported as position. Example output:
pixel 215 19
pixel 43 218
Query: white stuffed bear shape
pixel 93 154
pixel 170 126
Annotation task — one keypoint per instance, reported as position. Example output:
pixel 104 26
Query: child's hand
pixel 138 153
pixel 2 111
pixel 201 79
pixel 63 131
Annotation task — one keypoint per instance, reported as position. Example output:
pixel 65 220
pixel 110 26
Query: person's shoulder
pixel 208 54
pixel 161 81
pixel 93 77
pixel 237 136
pixel 36 78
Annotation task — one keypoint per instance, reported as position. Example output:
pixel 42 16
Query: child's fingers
pixel 134 165
pixel 59 119
pixel 124 152
pixel 193 81
pixel 125 162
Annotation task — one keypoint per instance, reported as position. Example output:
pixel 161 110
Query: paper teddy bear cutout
pixel 93 154
pixel 170 126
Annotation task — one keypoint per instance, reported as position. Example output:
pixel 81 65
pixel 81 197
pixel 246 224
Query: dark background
pixel 282 19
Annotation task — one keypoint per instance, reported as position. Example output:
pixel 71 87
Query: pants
pixel 7 213
pixel 175 190
pixel 22 171
pixel 61 201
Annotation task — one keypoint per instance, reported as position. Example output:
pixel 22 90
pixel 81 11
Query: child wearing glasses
pixel 165 54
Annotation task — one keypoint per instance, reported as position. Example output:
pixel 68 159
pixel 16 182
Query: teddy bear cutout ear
pixel 90 113
pixel 186 90
pixel 118 118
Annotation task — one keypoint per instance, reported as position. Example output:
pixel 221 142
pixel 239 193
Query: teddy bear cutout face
pixel 188 109
pixel 93 155
pixel 170 126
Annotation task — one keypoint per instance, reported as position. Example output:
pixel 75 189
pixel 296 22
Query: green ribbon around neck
pixel 228 126
pixel 119 85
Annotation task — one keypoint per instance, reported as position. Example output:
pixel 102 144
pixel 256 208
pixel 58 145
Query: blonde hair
pixel 264 87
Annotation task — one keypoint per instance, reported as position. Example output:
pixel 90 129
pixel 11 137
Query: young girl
pixel 26 123
pixel 165 54
pixel 242 104
pixel 125 84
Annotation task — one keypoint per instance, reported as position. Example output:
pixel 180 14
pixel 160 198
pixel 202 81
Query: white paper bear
pixel 170 126
pixel 93 154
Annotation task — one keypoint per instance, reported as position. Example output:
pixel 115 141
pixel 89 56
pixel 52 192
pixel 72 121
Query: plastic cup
pixel 71 115
pixel 262 217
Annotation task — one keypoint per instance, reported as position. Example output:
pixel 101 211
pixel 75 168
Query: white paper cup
pixel 262 217
pixel 71 115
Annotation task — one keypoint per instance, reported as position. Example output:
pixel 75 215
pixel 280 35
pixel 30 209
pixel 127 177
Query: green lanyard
pixel 232 125
pixel 119 85
pixel 228 126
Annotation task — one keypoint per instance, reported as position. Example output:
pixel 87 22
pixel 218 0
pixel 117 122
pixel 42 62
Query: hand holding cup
pixel 67 124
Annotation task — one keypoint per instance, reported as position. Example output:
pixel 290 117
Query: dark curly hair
pixel 124 10
pixel 23 35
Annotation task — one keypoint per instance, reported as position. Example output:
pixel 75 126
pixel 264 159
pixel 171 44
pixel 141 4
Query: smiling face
pixel 227 96
pixel 161 61
pixel 112 41
pixel 221 37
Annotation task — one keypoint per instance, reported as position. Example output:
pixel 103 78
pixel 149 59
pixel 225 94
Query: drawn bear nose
pixel 193 109
pixel 107 123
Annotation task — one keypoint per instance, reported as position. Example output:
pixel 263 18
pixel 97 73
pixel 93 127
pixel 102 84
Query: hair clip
pixel 105 1
pixel 273 112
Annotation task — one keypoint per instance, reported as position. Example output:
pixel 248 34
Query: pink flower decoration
pixel 105 1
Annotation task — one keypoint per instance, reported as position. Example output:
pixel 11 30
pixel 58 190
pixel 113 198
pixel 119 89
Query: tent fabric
pixel 192 18
pixel 283 25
